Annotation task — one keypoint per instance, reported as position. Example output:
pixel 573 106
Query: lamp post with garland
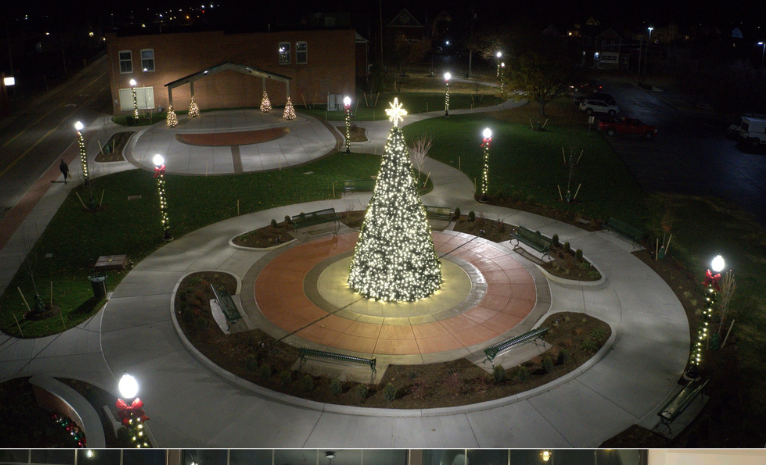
pixel 498 55
pixel 347 106
pixel 485 176
pixel 135 99
pixel 159 174
pixel 502 72
pixel 712 287
pixel 83 156
pixel 447 77
pixel 131 412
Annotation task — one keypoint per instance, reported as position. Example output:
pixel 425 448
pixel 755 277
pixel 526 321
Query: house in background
pixel 306 65
pixel 408 25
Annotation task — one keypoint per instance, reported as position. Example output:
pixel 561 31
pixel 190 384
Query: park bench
pixel 226 303
pixel 680 402
pixel 533 239
pixel 312 218
pixel 358 185
pixel 438 213
pixel 624 229
pixel 493 351
pixel 303 353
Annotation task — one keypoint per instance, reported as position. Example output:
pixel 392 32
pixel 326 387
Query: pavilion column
pixel 263 83
pixel 287 85
pixel 170 96
pixel 191 87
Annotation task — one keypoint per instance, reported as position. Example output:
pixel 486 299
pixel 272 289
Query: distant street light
pixel 159 173
pixel 347 104
pixel 485 176
pixel 648 43
pixel 447 77
pixel 502 72
pixel 498 55
pixel 135 100
pixel 763 50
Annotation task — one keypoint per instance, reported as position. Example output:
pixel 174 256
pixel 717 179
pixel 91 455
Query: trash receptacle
pixel 98 281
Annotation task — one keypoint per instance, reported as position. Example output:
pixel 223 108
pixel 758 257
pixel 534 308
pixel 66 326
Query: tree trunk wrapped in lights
pixel 193 108
pixel 172 119
pixel 395 259
pixel 289 110
pixel 265 103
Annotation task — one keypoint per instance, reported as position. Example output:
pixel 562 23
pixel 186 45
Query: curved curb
pixel 378 412
pixel 574 282
pixel 253 249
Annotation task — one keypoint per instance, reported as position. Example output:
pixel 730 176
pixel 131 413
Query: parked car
pixel 627 126
pixel 605 97
pixel 752 131
pixel 591 106
pixel 586 88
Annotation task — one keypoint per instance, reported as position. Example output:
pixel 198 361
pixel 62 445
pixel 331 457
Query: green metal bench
pixel 493 351
pixel 533 239
pixel 438 213
pixel 624 229
pixel 680 401
pixel 312 218
pixel 358 185
pixel 228 307
pixel 304 352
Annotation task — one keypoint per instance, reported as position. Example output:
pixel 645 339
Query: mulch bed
pixel 357 134
pixel 112 149
pixel 269 236
pixel 257 357
pixel 233 138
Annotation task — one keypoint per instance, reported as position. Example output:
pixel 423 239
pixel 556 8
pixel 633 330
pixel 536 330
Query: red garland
pixel 486 141
pixel 159 170
pixel 132 410
pixel 711 280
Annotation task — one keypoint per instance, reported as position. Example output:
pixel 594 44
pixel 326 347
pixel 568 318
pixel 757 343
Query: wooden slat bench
pixel 358 185
pixel 438 213
pixel 228 307
pixel 533 239
pixel 304 352
pixel 312 218
pixel 625 230
pixel 680 402
pixel 493 351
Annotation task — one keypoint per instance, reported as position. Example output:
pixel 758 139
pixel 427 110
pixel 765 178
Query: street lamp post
pixel 159 174
pixel 712 278
pixel 485 176
pixel 648 43
pixel 502 72
pixel 135 99
pixel 763 50
pixel 498 55
pixel 447 77
pixel 83 156
pixel 131 413
pixel 347 105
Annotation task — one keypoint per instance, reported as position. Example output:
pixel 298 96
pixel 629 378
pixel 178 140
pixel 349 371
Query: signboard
pixel 144 98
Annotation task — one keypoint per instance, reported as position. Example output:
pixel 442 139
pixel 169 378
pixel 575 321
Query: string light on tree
pixel 447 77
pixel 159 174
pixel 347 105
pixel 289 112
pixel 395 259
pixel 265 103
pixel 712 287
pixel 193 108
pixel 132 414
pixel 135 99
pixel 172 119
pixel 485 176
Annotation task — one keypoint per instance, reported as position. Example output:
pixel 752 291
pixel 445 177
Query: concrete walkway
pixel 193 405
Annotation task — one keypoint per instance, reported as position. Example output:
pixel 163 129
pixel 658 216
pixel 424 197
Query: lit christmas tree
pixel 265 103
pixel 172 119
pixel 289 110
pixel 395 259
pixel 193 108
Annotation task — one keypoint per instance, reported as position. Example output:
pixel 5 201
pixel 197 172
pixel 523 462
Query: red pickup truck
pixel 627 126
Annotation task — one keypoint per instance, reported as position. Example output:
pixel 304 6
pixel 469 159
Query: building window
pixel 284 53
pixel 147 60
pixel 301 53
pixel 126 61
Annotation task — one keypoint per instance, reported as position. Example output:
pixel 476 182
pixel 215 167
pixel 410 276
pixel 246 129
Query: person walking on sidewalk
pixel 64 169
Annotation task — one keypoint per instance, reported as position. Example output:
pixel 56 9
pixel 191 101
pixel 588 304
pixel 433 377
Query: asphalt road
pixel 690 155
pixel 33 139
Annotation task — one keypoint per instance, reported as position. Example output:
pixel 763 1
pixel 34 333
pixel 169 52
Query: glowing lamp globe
pixel 447 76
pixel 487 133
pixel 546 455
pixel 347 100
pixel 502 65
pixel 158 160
pixel 499 54
pixel 133 82
pixel 718 264
pixel 78 125
pixel 128 386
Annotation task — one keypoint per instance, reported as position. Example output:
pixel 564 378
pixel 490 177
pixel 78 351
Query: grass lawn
pixel 76 238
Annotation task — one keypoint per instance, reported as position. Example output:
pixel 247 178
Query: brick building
pixel 309 65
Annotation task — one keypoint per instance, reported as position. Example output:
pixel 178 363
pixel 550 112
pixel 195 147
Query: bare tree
pixel 419 150
pixel 728 286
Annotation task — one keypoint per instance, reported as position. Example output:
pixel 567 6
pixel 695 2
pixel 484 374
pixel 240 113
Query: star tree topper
pixel 396 112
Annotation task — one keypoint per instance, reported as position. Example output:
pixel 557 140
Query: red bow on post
pixel 486 142
pixel 133 410
pixel 159 170
pixel 712 280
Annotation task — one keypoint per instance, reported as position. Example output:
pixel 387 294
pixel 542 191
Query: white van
pixel 753 131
